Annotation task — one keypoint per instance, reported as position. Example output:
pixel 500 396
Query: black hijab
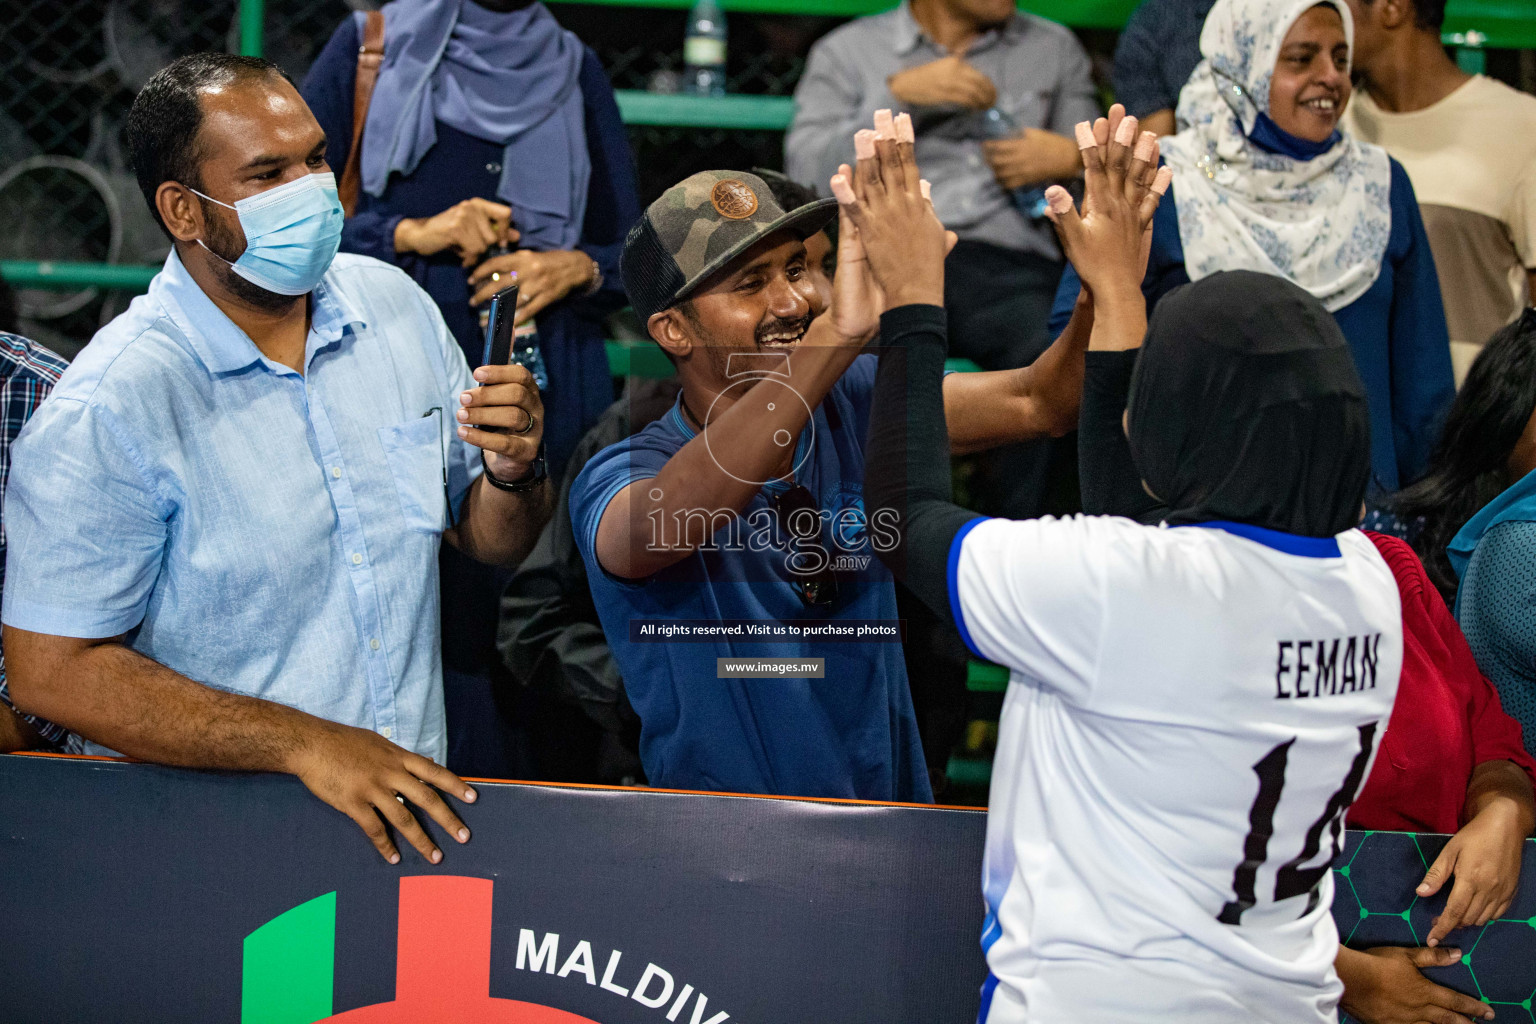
pixel 1246 407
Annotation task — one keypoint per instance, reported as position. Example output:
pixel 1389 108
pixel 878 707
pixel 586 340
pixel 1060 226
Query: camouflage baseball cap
pixel 697 227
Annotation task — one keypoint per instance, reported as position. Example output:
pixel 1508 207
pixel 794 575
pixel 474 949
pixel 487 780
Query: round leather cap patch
pixel 733 199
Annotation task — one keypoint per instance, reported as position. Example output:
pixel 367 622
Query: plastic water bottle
pixel 1030 201
pixel 704 49
pixel 525 349
pixel 527 353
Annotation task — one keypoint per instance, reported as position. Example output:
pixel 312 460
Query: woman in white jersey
pixel 1191 708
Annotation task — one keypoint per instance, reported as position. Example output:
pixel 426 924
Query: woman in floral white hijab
pixel 1315 213
pixel 1263 180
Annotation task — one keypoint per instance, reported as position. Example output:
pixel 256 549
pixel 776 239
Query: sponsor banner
pixel 133 892
pixel 139 893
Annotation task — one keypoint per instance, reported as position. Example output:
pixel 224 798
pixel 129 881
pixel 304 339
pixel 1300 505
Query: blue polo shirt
pixel 850 734
pixel 261 531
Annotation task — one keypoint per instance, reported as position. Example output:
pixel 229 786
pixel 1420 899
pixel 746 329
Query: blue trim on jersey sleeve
pixel 1288 543
pixel 987 988
pixel 991 931
pixel 952 574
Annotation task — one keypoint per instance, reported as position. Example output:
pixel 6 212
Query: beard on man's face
pixel 779 335
pixel 771 335
pixel 225 244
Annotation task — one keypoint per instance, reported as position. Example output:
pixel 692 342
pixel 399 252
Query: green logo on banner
pixel 442 970
pixel 289 966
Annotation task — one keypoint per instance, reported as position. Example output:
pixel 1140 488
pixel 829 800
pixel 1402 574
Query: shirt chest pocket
pixel 1029 108
pixel 414 452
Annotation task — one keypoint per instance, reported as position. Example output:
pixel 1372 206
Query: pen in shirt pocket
pixel 442 450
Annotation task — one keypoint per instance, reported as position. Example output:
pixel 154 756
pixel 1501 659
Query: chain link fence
pixel 69 70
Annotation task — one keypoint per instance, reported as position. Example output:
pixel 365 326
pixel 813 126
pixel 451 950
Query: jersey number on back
pixel 1292 879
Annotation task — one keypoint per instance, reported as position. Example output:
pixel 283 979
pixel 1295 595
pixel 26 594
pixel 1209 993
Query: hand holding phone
pixel 503 317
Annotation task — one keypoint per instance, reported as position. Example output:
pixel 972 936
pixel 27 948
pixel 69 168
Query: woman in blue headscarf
pixel 1263 180
pixel 489 125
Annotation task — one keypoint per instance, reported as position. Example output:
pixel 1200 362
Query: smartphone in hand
pixel 499 331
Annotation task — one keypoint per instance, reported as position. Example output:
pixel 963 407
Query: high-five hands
pixel 1109 240
pixel 897 235
pixel 856 298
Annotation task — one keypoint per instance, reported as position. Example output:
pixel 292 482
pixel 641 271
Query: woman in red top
pixel 1450 761
pixel 1449 751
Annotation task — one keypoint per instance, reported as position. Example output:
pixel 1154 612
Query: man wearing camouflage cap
pixel 734 526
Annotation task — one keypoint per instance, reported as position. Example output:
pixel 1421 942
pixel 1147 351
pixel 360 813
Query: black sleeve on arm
pixel 1108 478
pixel 906 467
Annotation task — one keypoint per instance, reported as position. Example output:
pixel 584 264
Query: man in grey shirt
pixel 967 71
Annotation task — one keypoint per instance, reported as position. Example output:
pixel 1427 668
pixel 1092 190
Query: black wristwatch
pixel 531 479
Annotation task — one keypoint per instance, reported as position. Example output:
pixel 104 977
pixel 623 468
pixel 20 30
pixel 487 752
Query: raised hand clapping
pixel 898 233
pixel 1107 242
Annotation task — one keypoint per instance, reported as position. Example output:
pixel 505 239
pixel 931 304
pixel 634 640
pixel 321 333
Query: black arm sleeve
pixel 906 468
pixel 1110 484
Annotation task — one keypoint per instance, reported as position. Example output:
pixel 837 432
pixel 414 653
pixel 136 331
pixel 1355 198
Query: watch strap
pixel 535 476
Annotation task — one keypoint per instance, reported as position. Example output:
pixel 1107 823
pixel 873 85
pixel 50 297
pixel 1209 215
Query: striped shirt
pixel 28 373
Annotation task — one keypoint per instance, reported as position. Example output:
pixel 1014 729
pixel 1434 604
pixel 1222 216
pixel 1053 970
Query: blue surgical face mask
pixel 292 233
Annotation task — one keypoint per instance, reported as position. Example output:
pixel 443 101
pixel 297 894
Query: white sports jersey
pixel 1190 713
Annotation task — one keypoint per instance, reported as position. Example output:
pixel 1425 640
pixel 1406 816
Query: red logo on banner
pixel 442 967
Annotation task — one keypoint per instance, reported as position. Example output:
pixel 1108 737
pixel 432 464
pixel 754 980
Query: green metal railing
pixel 1078 13
pixel 253 22
pixel 1490 24
pixel 51 274
pixel 1475 24
pixel 625 358
pixel 750 113
pixel 1471 26
pixel 644 359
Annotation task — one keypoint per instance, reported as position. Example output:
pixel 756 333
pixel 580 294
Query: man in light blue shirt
pixel 224 525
